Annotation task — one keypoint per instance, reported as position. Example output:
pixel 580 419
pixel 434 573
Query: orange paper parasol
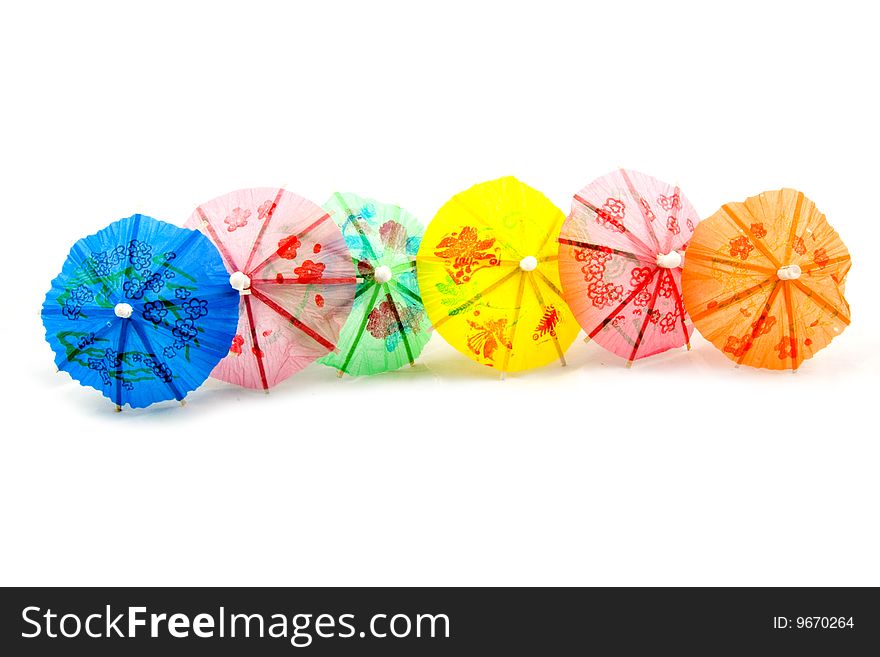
pixel 764 280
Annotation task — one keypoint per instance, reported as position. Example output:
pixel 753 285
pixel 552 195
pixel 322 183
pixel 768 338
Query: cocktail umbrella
pixel 296 279
pixel 141 311
pixel 620 257
pixel 488 276
pixel 764 280
pixel 388 326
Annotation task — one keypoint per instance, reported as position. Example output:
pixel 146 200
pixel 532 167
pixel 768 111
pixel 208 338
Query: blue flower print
pixel 195 308
pixel 182 293
pixel 140 254
pixel 82 294
pixel 169 352
pixel 154 311
pixel 185 330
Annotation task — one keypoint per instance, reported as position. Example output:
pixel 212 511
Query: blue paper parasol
pixel 141 311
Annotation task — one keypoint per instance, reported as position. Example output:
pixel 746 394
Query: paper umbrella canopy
pixel 620 256
pixel 295 275
pixel 388 326
pixel 488 276
pixel 141 311
pixel 764 280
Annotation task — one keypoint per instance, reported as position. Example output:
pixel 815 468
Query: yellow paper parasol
pixel 488 276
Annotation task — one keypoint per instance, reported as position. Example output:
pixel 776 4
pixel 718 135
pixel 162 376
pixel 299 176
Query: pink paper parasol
pixel 620 256
pixel 295 275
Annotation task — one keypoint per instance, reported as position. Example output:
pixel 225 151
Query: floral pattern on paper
pixel 465 253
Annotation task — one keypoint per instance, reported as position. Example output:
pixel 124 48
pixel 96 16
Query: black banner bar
pixel 444 621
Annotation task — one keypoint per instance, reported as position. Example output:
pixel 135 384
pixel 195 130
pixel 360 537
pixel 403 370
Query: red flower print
pixel 617 321
pixel 237 341
pixel 316 248
pixel 654 316
pixel 646 209
pixel 465 253
pixel 758 230
pixel 485 339
pixel 786 348
pixel 741 246
pixel 639 275
pixel 287 247
pixel 594 270
pixel 279 278
pixel 820 257
pixel 737 346
pixel 667 324
pixel 547 325
pixel 669 203
pixel 309 271
pixel 642 298
pixel 604 294
pixel 257 352
pixel 672 226
pixel 690 225
pixel 237 219
pixel 383 320
pixel 666 287
pixel 266 209
pixel 763 325
pixel 799 247
pixel 393 235
pixel 611 215
pixel 365 269
pixel 319 301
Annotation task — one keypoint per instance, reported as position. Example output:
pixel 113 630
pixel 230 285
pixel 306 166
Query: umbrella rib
pixel 831 261
pixel 484 223
pixel 259 237
pixel 206 224
pixel 257 351
pixel 400 326
pixel 786 291
pixel 146 342
pixel 680 304
pixel 638 197
pixel 732 263
pixel 798 207
pixel 745 230
pixel 517 312
pixel 467 304
pixel 540 298
pixel 274 255
pixel 357 226
pixel 821 301
pixel 363 327
pixel 739 296
pixel 341 280
pixel 314 335
pixel 635 241
pixel 405 290
pixel 596 247
pixel 632 295
pixel 120 350
pixel 550 284
pixel 759 323
pixel 135 226
pixel 403 266
pixel 648 311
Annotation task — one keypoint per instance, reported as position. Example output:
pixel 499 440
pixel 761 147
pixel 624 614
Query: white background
pixel 683 470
